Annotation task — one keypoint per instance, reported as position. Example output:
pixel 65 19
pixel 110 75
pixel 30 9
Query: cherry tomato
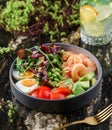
pixel 41 92
pixel 35 94
pixel 56 96
pixel 62 90
pixel 43 88
pixel 44 92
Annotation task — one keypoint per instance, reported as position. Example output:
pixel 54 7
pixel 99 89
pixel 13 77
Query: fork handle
pixel 70 124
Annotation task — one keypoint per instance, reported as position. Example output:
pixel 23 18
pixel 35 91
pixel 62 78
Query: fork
pixel 93 120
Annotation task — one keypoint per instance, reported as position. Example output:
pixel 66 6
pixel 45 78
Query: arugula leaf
pixel 19 65
pixel 38 48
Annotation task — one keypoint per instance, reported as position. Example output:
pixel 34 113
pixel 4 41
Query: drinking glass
pixel 96 21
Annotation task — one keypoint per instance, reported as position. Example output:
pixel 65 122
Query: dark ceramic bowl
pixel 60 106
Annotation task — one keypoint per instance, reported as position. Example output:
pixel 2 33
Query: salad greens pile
pixel 44 61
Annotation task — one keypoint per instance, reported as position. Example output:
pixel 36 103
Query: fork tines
pixel 104 114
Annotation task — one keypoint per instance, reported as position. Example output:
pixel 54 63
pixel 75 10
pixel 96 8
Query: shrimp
pixel 74 59
pixel 67 70
pixel 71 61
pixel 88 62
pixel 82 55
pixel 91 66
pixel 78 71
pixel 67 54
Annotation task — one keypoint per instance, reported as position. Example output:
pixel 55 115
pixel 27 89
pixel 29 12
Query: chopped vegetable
pixel 77 89
pixel 42 92
pixel 62 90
pixel 56 96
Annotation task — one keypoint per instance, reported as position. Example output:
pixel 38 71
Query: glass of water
pixel 96 21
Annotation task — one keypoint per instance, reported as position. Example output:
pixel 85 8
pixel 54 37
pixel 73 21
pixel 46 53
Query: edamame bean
pixel 51 56
pixel 59 77
pixel 54 75
pixel 56 79
pixel 51 77
pixel 57 73
pixel 52 70
pixel 49 74
pixel 57 69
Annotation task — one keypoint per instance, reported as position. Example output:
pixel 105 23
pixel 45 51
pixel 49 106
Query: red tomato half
pixel 42 92
pixel 62 90
pixel 35 94
pixel 45 94
pixel 43 88
pixel 56 96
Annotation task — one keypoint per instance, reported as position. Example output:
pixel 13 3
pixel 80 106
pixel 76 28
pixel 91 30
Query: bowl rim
pixel 99 69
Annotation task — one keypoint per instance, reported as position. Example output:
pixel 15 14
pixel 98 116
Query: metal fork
pixel 93 120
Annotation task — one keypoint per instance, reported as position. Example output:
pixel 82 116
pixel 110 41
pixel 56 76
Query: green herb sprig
pixel 38 48
pixel 4 50
pixel 8 109
pixel 15 16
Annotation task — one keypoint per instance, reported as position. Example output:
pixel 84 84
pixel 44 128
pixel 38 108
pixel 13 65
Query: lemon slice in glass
pixel 110 4
pixel 104 11
pixel 94 28
pixel 87 14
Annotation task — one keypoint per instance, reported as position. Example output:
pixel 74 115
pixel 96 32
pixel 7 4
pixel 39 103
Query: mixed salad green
pixel 45 62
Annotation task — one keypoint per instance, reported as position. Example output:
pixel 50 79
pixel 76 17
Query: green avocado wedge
pixel 93 81
pixel 77 89
pixel 70 95
pixel 88 76
pixel 85 84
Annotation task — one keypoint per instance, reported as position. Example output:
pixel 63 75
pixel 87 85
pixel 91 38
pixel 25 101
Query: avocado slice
pixel 77 89
pixel 88 76
pixel 93 81
pixel 70 95
pixel 85 84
